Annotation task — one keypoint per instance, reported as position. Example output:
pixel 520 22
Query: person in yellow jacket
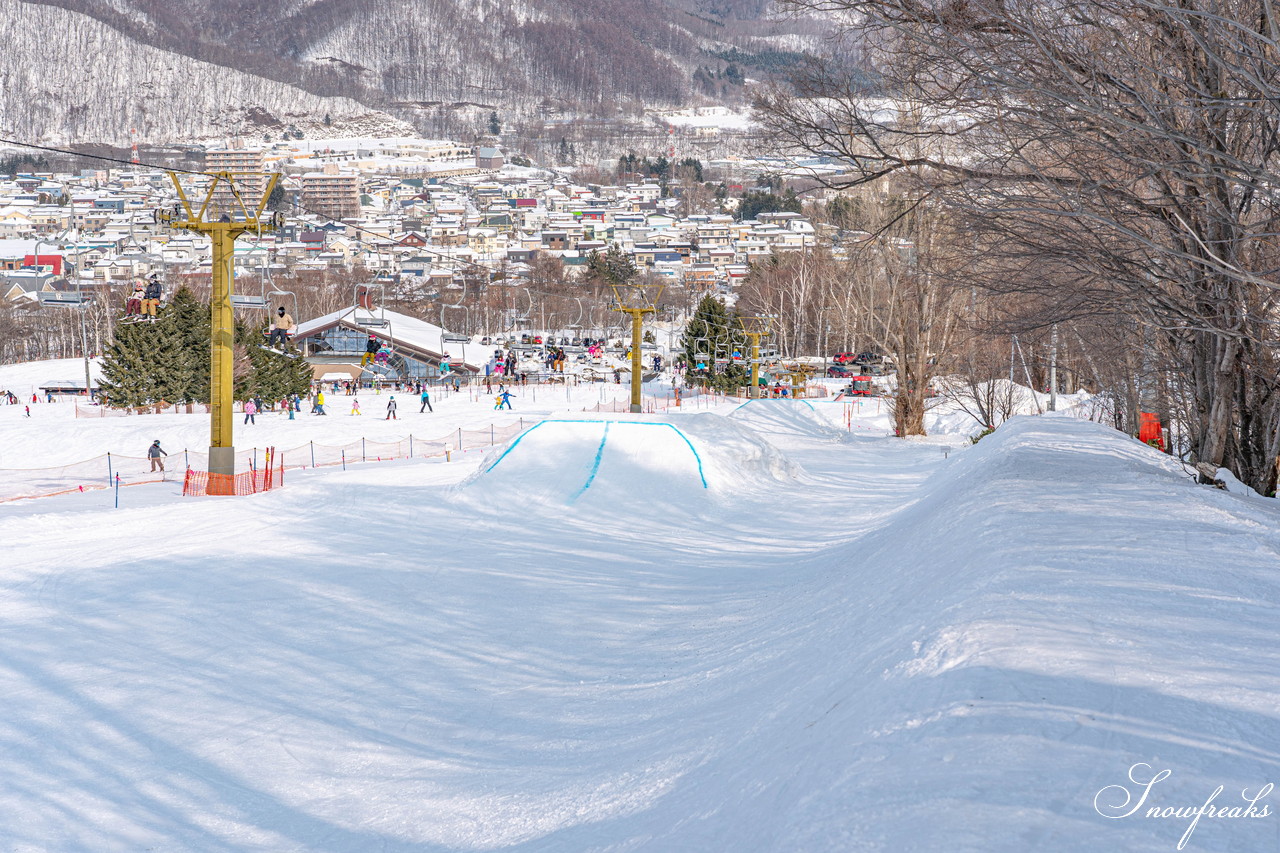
pixel 320 403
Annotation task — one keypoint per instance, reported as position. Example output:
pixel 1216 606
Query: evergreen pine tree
pixel 128 369
pixel 168 360
pixel 270 375
pixel 189 319
pixel 170 357
pixel 614 266
pixel 717 332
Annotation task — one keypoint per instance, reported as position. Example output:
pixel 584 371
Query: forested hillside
pixel 82 80
pixel 425 59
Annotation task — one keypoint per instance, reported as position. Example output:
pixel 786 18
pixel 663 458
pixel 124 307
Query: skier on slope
pixel 154 453
pixel 391 410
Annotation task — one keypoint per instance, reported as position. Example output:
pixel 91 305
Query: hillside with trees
pixel 444 64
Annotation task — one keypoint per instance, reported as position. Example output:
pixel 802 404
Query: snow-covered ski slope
pixel 845 643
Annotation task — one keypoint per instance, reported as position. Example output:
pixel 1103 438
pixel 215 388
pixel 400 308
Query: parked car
pixel 845 357
pixel 842 371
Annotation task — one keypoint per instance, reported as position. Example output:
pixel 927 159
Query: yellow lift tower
pixel 637 300
pixel 223 231
pixel 755 328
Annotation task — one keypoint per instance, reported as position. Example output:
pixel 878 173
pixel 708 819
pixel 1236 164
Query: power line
pixel 88 156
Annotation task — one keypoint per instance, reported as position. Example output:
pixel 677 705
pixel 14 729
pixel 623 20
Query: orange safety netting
pixel 264 479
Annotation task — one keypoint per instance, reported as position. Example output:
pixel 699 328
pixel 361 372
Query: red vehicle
pixel 845 357
pixel 861 386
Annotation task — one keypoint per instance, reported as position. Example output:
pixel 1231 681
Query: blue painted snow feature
pixel 519 439
pixel 595 465
pixel 600 451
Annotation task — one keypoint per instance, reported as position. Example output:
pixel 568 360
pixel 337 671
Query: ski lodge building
pixel 334 344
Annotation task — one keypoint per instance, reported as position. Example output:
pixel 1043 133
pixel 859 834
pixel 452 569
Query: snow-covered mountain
pixel 415 59
pixel 65 76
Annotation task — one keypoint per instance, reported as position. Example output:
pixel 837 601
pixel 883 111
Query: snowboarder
pixel 426 402
pixel 391 410
pixel 154 454
pixel 320 403
pixel 281 327
pixel 250 409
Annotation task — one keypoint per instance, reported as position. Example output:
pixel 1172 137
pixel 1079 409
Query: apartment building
pixel 331 192
pixel 247 169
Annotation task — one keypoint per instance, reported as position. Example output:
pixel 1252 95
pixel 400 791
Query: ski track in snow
pixel 843 642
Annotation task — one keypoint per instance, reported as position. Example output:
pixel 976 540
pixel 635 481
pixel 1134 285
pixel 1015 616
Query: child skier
pixel 154 453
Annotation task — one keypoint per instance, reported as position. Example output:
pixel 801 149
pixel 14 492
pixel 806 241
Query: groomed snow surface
pixel 753 628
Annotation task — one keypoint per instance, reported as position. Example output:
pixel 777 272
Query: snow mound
pixel 688 459
pixel 787 417
pixel 1053 586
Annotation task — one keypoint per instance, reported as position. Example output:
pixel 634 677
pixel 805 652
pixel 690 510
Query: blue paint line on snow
pixel 694 451
pixel 595 465
pixel 696 457
pixel 513 446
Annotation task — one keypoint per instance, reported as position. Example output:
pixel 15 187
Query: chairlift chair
pixel 250 301
pixel 59 299
pixel 253 303
pixel 374 318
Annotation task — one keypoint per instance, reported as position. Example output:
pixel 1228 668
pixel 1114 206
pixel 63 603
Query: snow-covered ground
pixel 752 628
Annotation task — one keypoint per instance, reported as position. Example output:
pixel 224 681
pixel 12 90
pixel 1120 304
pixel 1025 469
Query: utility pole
pixel 826 331
pixel 1053 369
pixel 636 300
pixel 223 233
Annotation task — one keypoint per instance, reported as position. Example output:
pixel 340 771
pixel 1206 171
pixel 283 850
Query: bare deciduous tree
pixel 1134 142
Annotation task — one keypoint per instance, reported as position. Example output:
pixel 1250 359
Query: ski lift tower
pixel 223 231
pixel 636 299
pixel 756 328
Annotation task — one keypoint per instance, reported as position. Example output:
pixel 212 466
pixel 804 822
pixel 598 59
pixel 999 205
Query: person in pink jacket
pixel 250 409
